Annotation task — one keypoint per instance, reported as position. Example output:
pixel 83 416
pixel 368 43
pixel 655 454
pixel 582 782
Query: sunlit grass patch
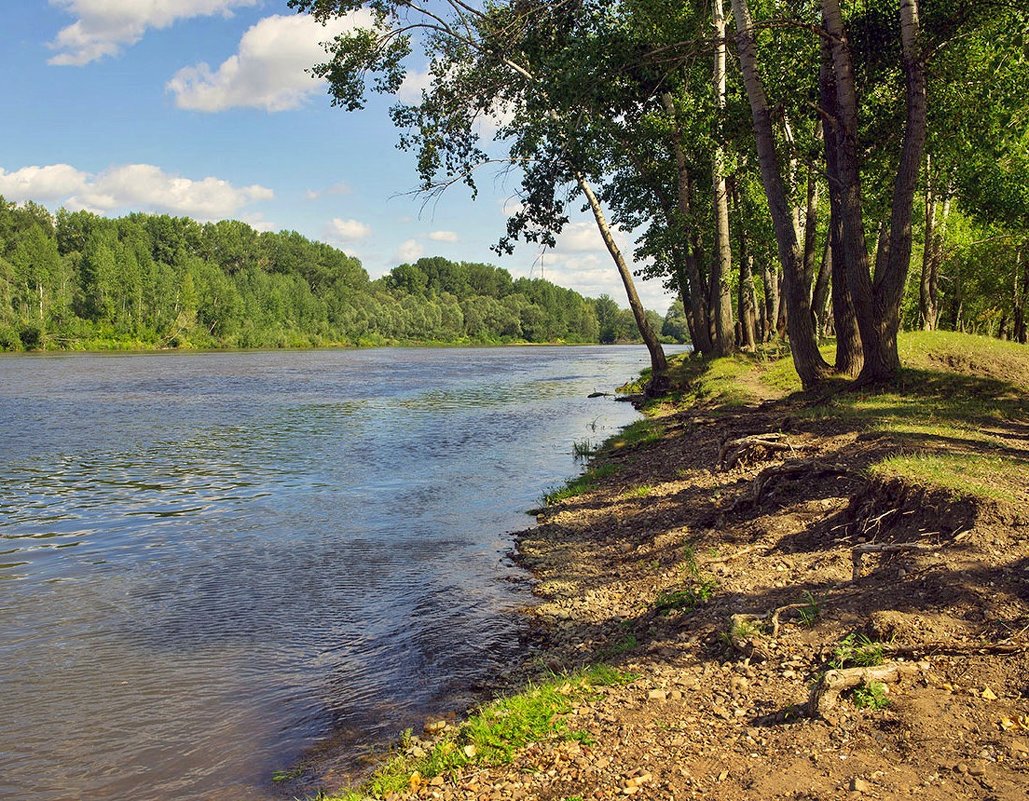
pixel 639 433
pixel 962 474
pixel 642 491
pixel 494 733
pixel 580 485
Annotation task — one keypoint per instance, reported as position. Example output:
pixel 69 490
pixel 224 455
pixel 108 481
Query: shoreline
pixel 724 561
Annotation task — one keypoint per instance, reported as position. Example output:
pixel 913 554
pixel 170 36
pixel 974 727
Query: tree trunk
pixel 932 253
pixel 658 363
pixel 721 300
pixel 877 302
pixel 747 304
pixel 811 367
pixel 697 288
pixel 1018 329
pixel 770 278
pixel 848 339
pixel 820 293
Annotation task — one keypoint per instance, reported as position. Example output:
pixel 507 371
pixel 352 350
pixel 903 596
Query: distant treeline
pixel 76 280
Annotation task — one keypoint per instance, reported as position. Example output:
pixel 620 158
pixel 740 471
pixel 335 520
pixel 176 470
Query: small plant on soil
pixel 872 695
pixel 685 599
pixel 642 491
pixel 857 650
pixel 810 611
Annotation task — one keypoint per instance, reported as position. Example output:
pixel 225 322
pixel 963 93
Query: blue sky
pixel 203 108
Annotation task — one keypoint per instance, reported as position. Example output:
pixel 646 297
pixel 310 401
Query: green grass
pixel 962 474
pixel 857 650
pixel 493 734
pixel 580 485
pixel 871 695
pixel 639 433
pixel 810 611
pixel 685 599
pixel 642 491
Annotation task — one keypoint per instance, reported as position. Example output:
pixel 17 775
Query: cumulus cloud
pixel 409 250
pixel 348 230
pixel 53 182
pixel 443 236
pixel 104 27
pixel 141 187
pixel 270 69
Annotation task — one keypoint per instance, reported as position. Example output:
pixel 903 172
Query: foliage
pixel 871 695
pixel 857 650
pixel 580 485
pixel 75 280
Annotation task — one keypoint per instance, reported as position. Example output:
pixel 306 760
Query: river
pixel 210 562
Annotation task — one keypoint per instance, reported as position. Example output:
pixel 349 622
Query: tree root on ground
pixel 809 468
pixel 732 451
pixel 859 551
pixel 747 630
pixel 827 692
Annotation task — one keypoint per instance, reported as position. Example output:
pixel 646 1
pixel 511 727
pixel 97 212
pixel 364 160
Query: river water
pixel 208 562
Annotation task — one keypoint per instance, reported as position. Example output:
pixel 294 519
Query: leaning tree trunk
pixel 811 367
pixel 877 302
pixel 820 293
pixel 720 297
pixel 658 363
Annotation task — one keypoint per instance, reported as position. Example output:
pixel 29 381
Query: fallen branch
pixel 827 692
pixel 859 551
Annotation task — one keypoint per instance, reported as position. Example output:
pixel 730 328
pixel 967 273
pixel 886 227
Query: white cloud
pixel 270 69
pixel 348 230
pixel 53 182
pixel 340 188
pixel 142 187
pixel 104 27
pixel 409 250
pixel 443 236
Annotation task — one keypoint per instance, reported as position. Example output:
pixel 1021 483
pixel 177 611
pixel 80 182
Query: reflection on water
pixel 208 562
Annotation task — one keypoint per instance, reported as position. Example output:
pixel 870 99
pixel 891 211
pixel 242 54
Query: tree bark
pixel 720 298
pixel 807 359
pixel 820 293
pixel 658 363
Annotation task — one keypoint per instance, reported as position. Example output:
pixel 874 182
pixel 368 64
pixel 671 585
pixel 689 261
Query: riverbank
pixel 758 594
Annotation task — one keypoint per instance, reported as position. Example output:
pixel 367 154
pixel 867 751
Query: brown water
pixel 208 562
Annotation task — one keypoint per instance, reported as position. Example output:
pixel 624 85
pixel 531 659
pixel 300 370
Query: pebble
pixel 859 785
pixel 658 695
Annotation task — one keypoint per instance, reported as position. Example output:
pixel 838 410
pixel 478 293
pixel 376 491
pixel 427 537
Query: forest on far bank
pixel 78 281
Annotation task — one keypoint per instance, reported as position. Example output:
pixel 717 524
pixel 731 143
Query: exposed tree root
pixel 827 692
pixel 809 468
pixel 734 555
pixel 859 551
pixel 733 451
pixel 955 649
pixel 747 631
